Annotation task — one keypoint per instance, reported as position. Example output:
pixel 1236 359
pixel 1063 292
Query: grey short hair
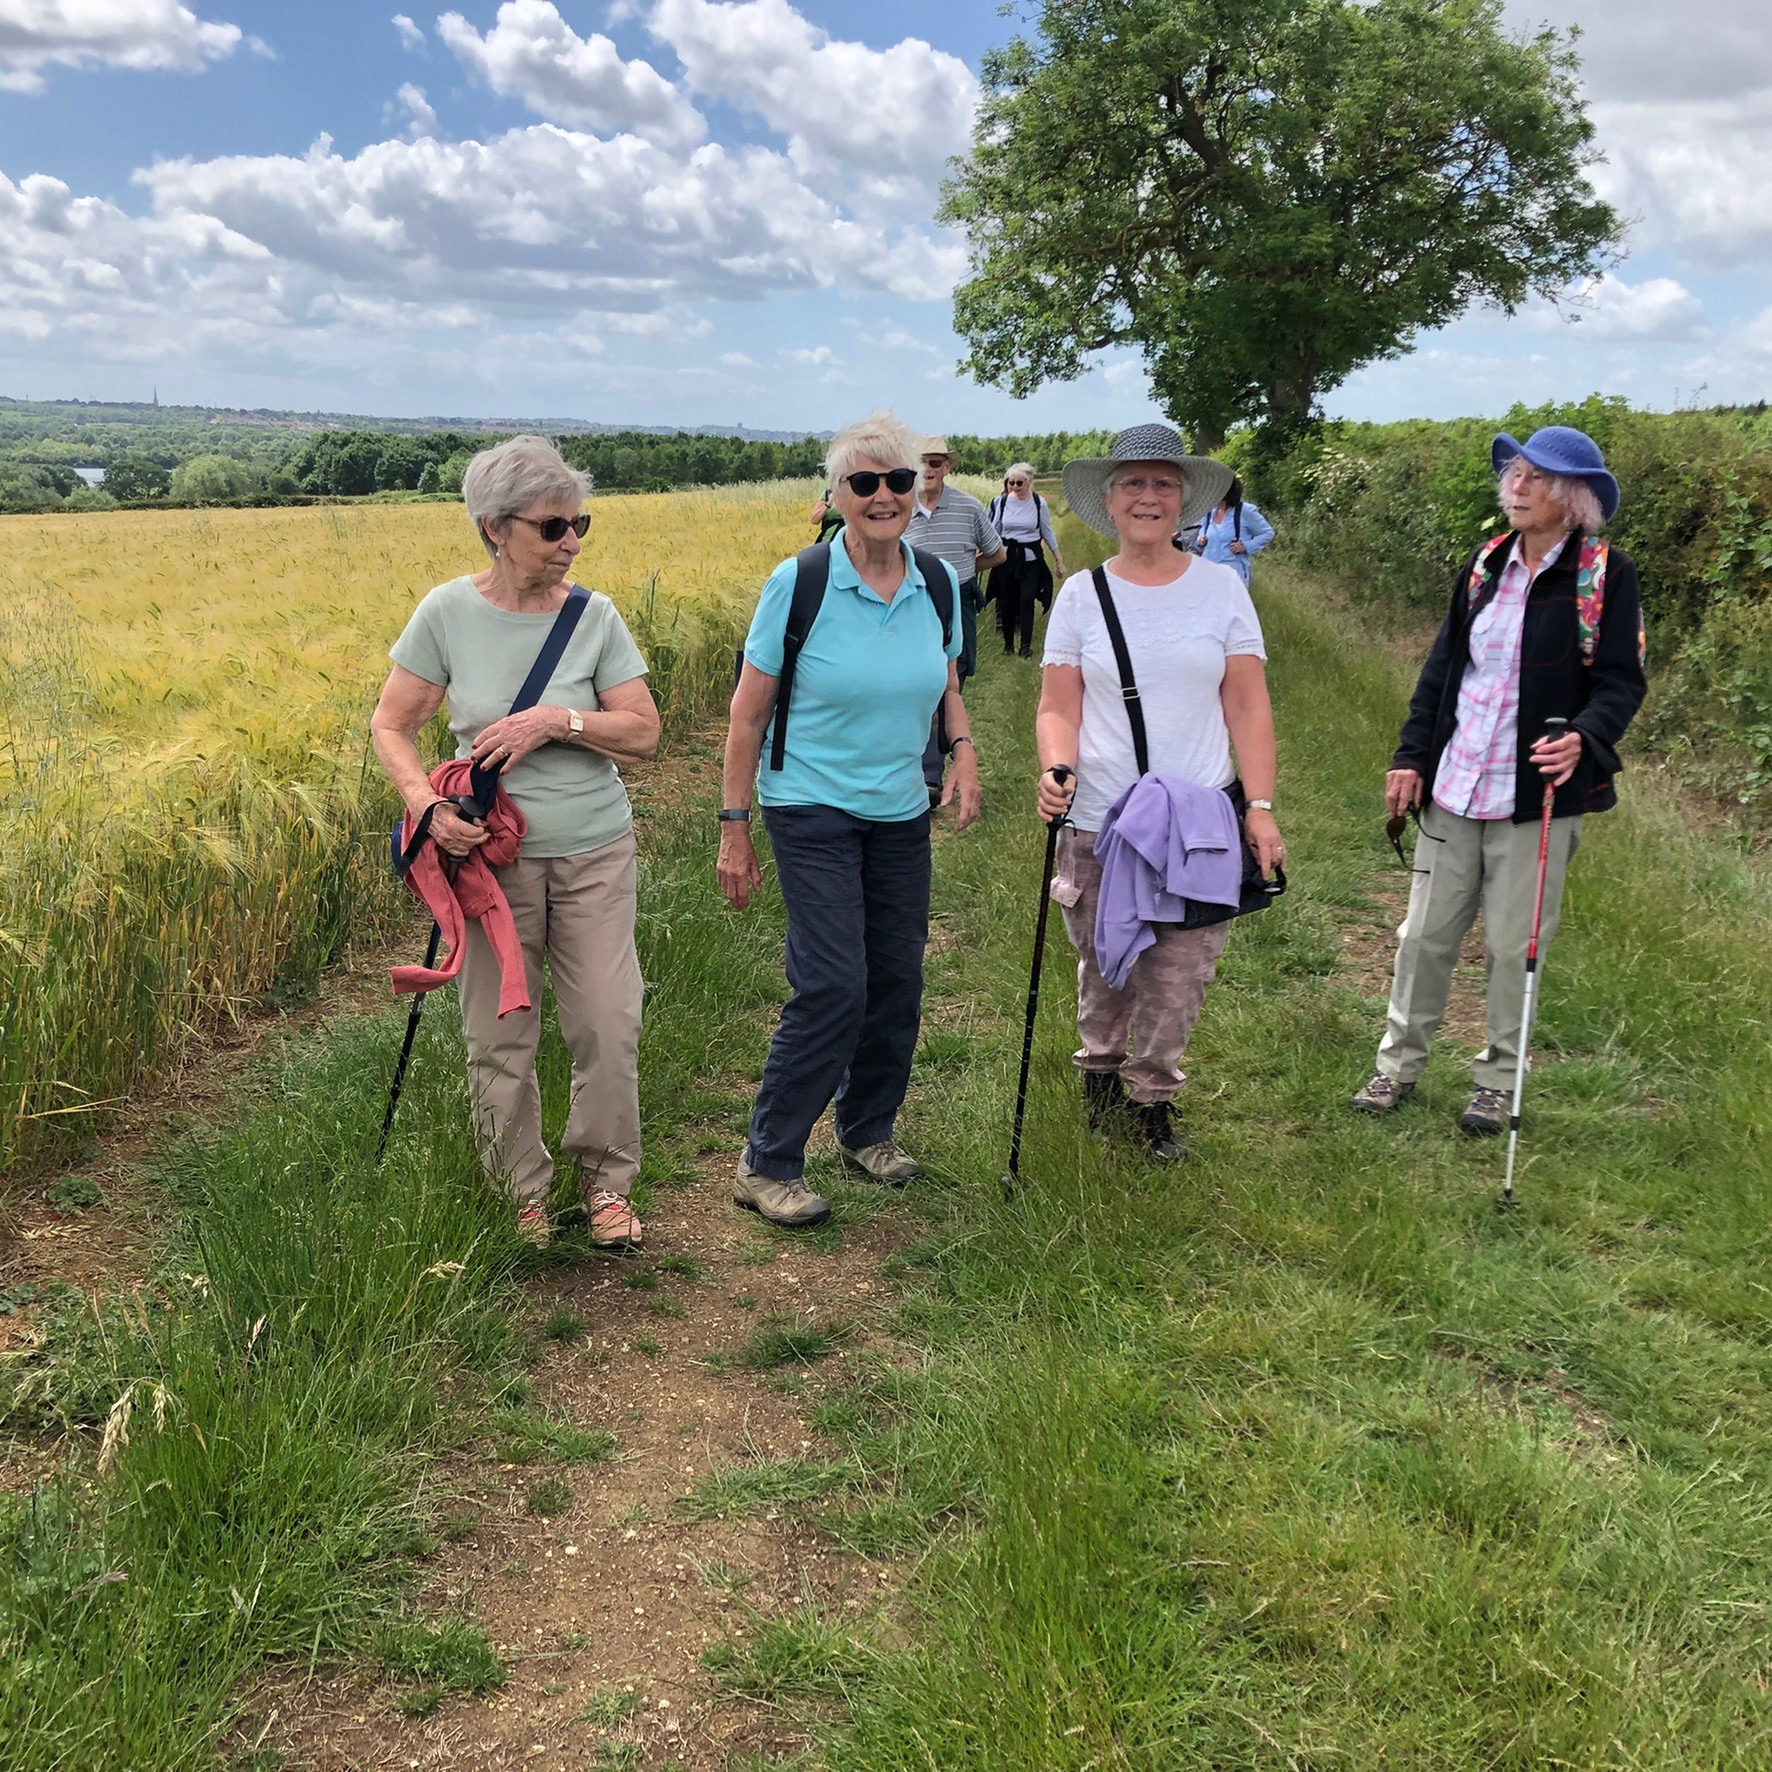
pixel 879 437
pixel 1581 504
pixel 1020 470
pixel 505 480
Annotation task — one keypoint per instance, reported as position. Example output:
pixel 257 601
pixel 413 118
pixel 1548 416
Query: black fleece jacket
pixel 1598 700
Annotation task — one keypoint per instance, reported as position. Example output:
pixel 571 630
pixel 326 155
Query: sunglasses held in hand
pixel 553 529
pixel 865 483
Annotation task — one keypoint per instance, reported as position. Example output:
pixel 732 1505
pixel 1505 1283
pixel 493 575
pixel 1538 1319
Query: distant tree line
pixel 191 464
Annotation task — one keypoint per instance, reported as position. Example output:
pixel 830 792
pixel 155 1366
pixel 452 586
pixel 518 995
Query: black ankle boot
pixel 1105 1097
pixel 1157 1132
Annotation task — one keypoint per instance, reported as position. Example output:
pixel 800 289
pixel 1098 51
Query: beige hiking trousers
pixel 577 911
pixel 1141 1030
pixel 1463 865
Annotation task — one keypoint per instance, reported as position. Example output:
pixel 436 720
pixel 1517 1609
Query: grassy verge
pixel 248 1444
pixel 1304 1454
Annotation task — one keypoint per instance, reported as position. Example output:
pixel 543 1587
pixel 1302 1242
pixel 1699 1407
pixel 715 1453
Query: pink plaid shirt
pixel 1476 777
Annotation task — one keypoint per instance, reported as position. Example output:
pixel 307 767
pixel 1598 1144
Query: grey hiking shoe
pixel 1487 1113
pixel 883 1162
pixel 1383 1095
pixel 789 1203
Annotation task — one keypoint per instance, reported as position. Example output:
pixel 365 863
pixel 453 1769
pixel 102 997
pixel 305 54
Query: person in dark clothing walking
pixel 1545 623
pixel 1023 519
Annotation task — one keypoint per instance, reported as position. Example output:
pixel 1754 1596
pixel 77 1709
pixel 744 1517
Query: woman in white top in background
pixel 1201 673
pixel 1024 521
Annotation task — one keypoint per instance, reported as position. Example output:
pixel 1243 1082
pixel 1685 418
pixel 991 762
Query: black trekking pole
pixel 1012 1179
pixel 418 1005
pixel 469 807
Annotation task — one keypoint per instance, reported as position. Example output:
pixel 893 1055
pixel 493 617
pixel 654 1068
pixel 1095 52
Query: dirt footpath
pixel 603 1611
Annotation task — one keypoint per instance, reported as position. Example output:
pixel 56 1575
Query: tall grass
pixel 194 821
pixel 247 1442
pixel 1302 1454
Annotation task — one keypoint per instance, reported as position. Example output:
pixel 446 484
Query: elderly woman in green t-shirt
pixel 472 641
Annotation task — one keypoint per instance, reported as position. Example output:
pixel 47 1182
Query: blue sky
pixel 702 211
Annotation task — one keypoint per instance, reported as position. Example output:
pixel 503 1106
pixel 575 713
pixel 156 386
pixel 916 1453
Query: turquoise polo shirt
pixel 870 677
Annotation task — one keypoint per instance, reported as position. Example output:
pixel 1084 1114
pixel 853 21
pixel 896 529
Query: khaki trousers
pixel 577 911
pixel 1154 1012
pixel 1461 865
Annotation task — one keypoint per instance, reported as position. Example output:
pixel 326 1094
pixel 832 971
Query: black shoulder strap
pixel 1123 659
pixel 812 572
pixel 1237 515
pixel 940 588
pixel 483 783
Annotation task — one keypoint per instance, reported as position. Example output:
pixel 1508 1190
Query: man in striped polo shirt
pixel 952 525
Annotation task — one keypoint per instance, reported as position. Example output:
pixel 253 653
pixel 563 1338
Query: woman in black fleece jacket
pixel 1544 622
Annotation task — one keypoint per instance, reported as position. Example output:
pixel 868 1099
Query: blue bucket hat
pixel 1561 449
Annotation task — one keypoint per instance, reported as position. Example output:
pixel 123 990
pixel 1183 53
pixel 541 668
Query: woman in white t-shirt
pixel 1199 663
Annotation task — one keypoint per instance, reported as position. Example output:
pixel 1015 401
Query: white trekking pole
pixel 1553 729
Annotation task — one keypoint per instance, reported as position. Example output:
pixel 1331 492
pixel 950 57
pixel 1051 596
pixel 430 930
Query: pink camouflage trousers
pixel 1141 1030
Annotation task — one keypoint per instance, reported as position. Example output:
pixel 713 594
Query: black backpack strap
pixel 483 783
pixel 1237 515
pixel 1123 659
pixel 940 588
pixel 812 572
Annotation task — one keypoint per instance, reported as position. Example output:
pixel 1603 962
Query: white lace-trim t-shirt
pixel 1179 636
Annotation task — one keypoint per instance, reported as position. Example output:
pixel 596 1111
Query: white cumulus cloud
pixel 881 122
pixel 548 218
pixel 144 35
pixel 1696 173
pixel 1659 311
pixel 410 102
pixel 531 54
pixel 411 37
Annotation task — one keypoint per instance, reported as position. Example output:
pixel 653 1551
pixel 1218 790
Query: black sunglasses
pixel 553 529
pixel 866 483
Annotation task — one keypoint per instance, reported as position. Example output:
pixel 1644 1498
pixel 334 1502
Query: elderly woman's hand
pixel 737 869
pixel 508 741
pixel 1052 796
pixel 1264 838
pixel 962 783
pixel 453 834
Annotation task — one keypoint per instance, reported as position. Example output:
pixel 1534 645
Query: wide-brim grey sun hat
pixel 1204 481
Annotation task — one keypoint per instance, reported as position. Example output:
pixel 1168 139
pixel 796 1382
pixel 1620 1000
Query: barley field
pixel 194 818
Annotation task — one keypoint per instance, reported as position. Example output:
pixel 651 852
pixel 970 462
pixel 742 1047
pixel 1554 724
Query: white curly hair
pixel 880 437
pixel 1581 504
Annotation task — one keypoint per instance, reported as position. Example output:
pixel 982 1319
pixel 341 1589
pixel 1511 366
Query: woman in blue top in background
pixel 848 818
pixel 1234 533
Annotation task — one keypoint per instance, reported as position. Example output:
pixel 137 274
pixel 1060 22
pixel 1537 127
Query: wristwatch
pixel 735 815
pixel 1258 805
pixel 575 722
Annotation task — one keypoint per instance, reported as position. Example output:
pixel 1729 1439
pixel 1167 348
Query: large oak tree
pixel 1264 195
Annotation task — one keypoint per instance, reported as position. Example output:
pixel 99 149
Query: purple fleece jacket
pixel 1164 841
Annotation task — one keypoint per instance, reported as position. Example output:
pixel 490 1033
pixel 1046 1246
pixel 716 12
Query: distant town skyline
pixel 683 212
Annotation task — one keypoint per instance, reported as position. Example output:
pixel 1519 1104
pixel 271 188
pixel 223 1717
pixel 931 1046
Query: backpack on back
pixel 1590 590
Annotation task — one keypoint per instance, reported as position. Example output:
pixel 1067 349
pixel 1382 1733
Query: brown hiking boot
pixel 1487 1113
pixel 1383 1095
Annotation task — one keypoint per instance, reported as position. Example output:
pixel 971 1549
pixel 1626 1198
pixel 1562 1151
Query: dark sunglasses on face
pixel 553 529
pixel 866 483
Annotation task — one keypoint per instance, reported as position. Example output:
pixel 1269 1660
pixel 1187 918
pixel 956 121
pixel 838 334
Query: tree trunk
pixel 1207 440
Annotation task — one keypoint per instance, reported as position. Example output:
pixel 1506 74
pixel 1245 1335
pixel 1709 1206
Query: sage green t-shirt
pixel 573 798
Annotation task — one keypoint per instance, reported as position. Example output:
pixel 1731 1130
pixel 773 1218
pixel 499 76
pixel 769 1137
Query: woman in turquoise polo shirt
pixel 848 820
